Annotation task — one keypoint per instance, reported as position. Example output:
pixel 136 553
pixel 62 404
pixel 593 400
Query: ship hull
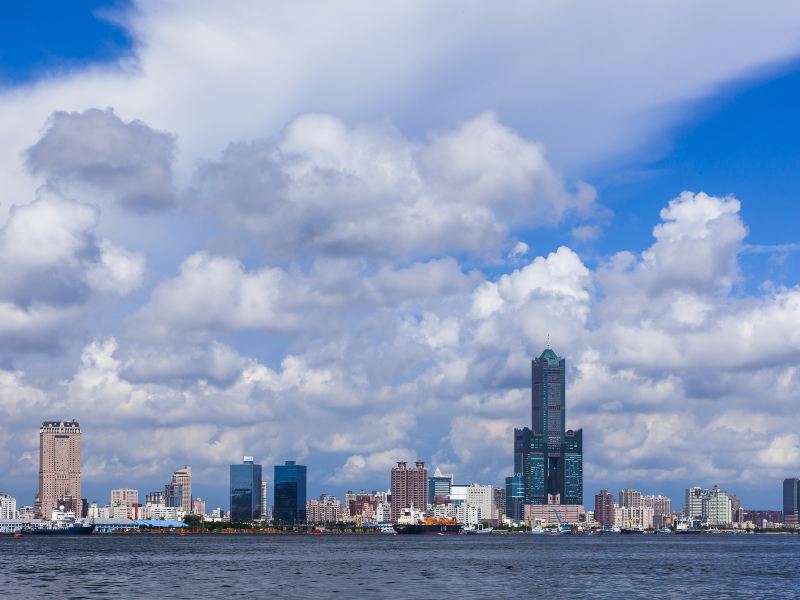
pixel 74 530
pixel 453 529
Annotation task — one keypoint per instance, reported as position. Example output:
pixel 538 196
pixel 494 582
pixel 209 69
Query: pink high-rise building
pixel 409 488
pixel 59 465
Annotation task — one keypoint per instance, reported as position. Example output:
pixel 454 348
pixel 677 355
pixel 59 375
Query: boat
pixel 414 523
pixel 74 529
pixel 62 523
pixel 538 530
pixel 451 528
pixel 630 530
pixel 473 529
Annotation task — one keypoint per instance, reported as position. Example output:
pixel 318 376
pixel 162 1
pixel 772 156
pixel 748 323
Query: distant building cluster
pixel 546 489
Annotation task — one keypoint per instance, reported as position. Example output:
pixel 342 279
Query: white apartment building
pixel 482 498
pixel 8 507
pixel 694 502
pixel 160 512
pixel 383 512
pixel 628 517
pixel 717 507
pixel 714 506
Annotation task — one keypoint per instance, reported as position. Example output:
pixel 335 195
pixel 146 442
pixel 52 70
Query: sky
pixel 338 234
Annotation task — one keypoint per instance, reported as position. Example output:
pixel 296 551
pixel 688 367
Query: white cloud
pixel 50 262
pixel 97 149
pixel 336 247
pixel 324 187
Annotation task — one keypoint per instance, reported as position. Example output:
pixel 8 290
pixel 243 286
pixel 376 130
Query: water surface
pixel 488 566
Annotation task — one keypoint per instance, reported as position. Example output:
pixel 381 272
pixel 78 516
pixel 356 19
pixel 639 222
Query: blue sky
pixel 340 244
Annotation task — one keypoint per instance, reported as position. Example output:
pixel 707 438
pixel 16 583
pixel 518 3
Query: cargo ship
pixel 413 522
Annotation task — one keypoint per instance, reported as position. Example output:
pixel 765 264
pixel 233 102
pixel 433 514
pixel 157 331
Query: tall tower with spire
pixel 549 457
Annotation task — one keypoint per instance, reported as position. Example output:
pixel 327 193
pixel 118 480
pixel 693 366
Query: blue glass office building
pixel 515 497
pixel 290 493
pixel 245 484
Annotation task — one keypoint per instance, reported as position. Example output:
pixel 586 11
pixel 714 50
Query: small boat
pixel 473 529
pixel 630 530
pixel 17 534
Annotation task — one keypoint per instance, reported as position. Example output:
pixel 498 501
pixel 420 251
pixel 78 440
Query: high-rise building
pixel 515 497
pixel 264 499
pixel 439 485
pixel 549 457
pixel 124 497
pixel 791 501
pixel 482 498
pixel 499 507
pixel 604 508
pixel 155 498
pixel 712 506
pixel 327 509
pixel 409 488
pixel 630 498
pixel 183 478
pixel 693 506
pixel 173 495
pixel 245 486
pixel 717 507
pixel 59 465
pixel 8 507
pixel 289 505
pixel 661 505
pixel 199 506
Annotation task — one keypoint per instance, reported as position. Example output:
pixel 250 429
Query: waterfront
pixel 752 566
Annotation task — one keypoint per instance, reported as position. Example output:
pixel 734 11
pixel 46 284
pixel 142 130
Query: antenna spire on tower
pixel 547 344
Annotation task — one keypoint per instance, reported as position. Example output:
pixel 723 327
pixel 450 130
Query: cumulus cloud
pixel 95 148
pixel 214 293
pixel 441 373
pixel 50 264
pixel 324 187
pixel 371 332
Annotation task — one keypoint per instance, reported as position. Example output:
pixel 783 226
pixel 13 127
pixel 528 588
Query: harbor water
pixel 374 566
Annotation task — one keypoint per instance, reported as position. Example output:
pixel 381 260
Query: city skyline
pixel 535 481
pixel 347 256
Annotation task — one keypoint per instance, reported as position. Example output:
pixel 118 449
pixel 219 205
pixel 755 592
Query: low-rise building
pixel 553 513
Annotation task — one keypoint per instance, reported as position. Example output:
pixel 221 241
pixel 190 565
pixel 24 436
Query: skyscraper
pixel 183 478
pixel 549 457
pixel 289 505
pixel 791 501
pixel 59 465
pixel 409 488
pixel 604 508
pixel 245 486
